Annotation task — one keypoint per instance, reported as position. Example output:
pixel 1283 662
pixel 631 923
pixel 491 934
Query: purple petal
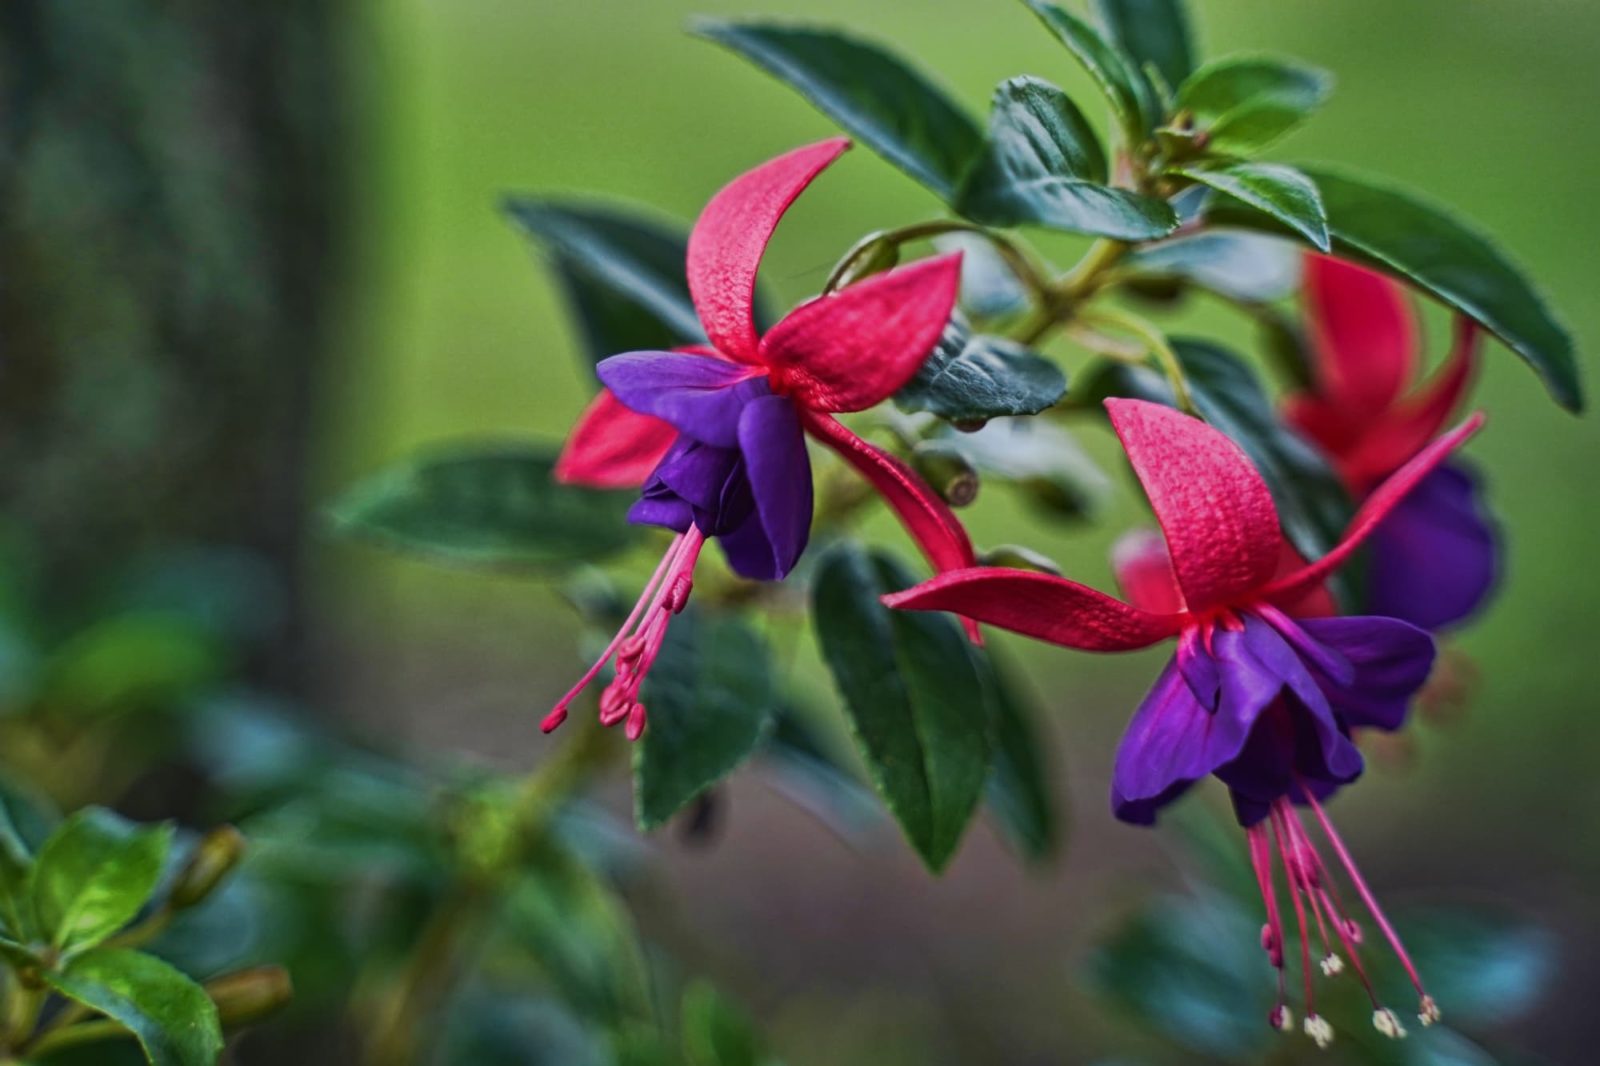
pixel 663 510
pixel 711 480
pixel 1435 558
pixel 1391 659
pixel 1199 668
pixel 779 470
pixel 1321 748
pixel 750 553
pixel 700 396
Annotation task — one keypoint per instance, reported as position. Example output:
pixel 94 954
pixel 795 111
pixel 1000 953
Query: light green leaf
pixel 171 1016
pixel 1242 104
pixel 715 1032
pixel 710 699
pixel 913 694
pixel 93 875
pixel 1043 461
pixel 489 505
pixel 1283 193
pixel 872 94
pixel 1398 232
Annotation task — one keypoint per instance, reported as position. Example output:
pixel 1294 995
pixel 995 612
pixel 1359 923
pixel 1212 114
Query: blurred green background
pixel 451 331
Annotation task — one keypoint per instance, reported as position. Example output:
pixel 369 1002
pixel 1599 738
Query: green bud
pixel 946 468
pixel 1017 557
pixel 872 256
pixel 246 996
pixel 218 852
pixel 1156 290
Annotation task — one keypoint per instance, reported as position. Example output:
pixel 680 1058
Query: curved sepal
pixel 612 447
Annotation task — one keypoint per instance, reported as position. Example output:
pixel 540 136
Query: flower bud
pixel 873 256
pixel 249 995
pixel 946 468
pixel 218 852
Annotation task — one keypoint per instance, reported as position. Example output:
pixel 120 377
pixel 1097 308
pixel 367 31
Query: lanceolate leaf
pixel 1043 165
pixel 1151 31
pixel 1395 231
pixel 913 694
pixel 1019 791
pixel 873 95
pixel 970 377
pixel 171 1016
pixel 1112 69
pixel 1043 461
pixel 493 505
pixel 710 700
pixel 624 273
pixel 93 875
pixel 1281 192
pixel 1244 103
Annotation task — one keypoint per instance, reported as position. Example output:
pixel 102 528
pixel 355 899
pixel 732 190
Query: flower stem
pixel 1156 343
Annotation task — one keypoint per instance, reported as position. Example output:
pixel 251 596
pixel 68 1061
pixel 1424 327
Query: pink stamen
pixel 639 639
pixel 1366 894
pixel 1272 932
pixel 1299 911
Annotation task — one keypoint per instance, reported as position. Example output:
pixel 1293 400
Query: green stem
pixel 139 935
pixel 1156 342
pixel 1060 300
pixel 83 1033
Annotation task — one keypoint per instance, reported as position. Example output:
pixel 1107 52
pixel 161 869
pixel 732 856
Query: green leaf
pixel 872 94
pixel 1115 72
pixel 623 273
pixel 1042 164
pixel 1242 104
pixel 128 663
pixel 710 699
pixel 24 819
pixel 715 1033
pixel 989 289
pixel 1019 792
pixel 1239 266
pixel 491 505
pixel 171 1016
pixel 805 768
pixel 1191 970
pixel 1481 964
pixel 93 875
pixel 1395 231
pixel 1282 192
pixel 970 377
pixel 913 695
pixel 1151 31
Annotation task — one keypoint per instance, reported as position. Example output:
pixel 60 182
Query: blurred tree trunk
pixel 171 173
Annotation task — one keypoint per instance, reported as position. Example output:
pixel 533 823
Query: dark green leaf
pixel 1042 164
pixel 1240 266
pixel 810 773
pixel 1243 104
pixel 623 273
pixel 913 694
pixel 494 505
pixel 1043 461
pixel 710 701
pixel 1019 791
pixel 1151 31
pixel 1281 192
pixel 988 287
pixel 1191 969
pixel 24 821
pixel 1394 231
pixel 93 875
pixel 1480 964
pixel 971 377
pixel 171 1016
pixel 1311 500
pixel 1113 70
pixel 715 1033
pixel 872 94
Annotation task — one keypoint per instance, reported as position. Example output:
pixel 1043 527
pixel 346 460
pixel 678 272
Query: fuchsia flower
pixel 721 429
pixel 1263 701
pixel 1434 560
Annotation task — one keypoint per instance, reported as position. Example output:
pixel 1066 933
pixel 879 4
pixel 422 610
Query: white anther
pixel 1387 1022
pixel 1429 1011
pixel 1332 964
pixel 1281 1018
pixel 1318 1029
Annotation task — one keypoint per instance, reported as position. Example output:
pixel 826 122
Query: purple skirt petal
pixel 1163 751
pixel 1391 660
pixel 699 396
pixel 699 483
pixel 779 470
pixel 1435 558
